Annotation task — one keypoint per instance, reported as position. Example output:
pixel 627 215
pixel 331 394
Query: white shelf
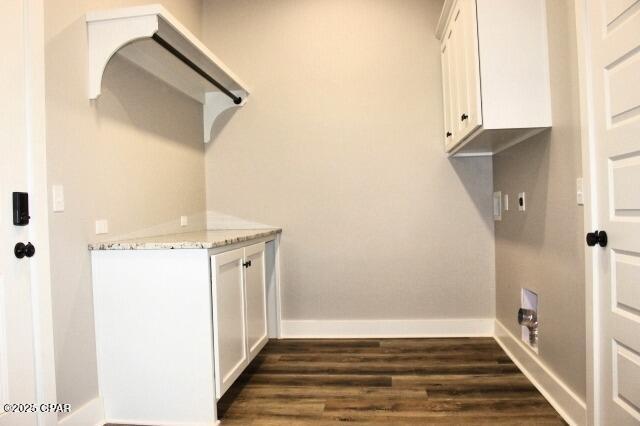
pixel 128 32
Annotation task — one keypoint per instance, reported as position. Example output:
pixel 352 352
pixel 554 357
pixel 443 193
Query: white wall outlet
pixel 184 220
pixel 580 191
pixel 57 192
pixel 505 203
pixel 522 202
pixel 497 205
pixel 102 226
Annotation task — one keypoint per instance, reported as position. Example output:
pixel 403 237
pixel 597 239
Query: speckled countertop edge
pixel 192 240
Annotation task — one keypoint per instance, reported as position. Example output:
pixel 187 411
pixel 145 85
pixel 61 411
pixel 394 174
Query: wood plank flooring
pixel 384 382
pixel 398 382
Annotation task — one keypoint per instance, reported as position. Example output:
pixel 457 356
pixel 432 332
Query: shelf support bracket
pixel 215 104
pixel 107 37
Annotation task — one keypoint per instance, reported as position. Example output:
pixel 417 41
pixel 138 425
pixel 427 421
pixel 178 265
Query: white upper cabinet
pixel 495 74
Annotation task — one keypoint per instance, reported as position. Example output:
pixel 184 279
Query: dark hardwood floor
pixel 397 382
pixel 384 382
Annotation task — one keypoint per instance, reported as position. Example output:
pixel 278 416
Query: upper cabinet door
pixel 230 342
pixel 255 287
pixel 465 49
pixel 458 79
pixel 461 74
pixel 471 109
pixel 448 95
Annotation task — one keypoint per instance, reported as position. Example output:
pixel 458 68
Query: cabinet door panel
pixel 473 104
pixel 255 287
pixel 447 95
pixel 229 322
pixel 456 83
pixel 459 74
pixel 463 106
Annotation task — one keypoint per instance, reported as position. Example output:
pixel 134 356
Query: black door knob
pixel 21 250
pixel 597 237
pixel 463 117
pixel 448 134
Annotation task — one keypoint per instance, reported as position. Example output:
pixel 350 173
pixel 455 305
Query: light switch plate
pixel 580 191
pixel 102 226
pixel 522 201
pixel 184 220
pixel 58 198
pixel 497 205
pixel 505 203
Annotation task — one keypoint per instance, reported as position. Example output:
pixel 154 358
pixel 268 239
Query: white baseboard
pixel 467 327
pixel 93 414
pixel 90 414
pixel 157 423
pixel 571 407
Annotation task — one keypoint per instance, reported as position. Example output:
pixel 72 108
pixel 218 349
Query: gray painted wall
pixel 135 157
pixel 340 144
pixel 542 249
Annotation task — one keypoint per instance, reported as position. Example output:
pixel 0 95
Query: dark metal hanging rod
pixel 162 42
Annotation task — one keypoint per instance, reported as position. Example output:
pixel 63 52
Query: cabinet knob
pixel 463 117
pixel 449 134
pixel 247 264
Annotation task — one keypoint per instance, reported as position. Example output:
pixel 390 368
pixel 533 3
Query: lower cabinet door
pixel 229 321
pixel 255 287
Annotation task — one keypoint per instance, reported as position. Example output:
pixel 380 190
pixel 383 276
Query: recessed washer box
pixel 529 300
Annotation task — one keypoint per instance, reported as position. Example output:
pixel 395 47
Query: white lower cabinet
pixel 240 311
pixel 175 328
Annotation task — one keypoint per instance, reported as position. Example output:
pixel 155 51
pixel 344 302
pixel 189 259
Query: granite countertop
pixel 190 240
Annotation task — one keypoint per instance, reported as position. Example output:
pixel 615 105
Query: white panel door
pixel 613 52
pixel 230 341
pixel 256 291
pixel 17 379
